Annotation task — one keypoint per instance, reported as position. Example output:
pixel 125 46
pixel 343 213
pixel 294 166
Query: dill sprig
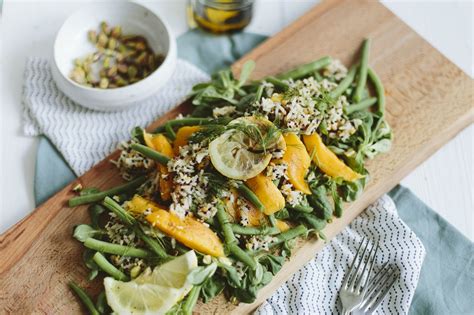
pixel 216 183
pixel 207 133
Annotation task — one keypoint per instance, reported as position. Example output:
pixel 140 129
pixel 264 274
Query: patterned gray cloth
pixel 314 288
pixel 84 136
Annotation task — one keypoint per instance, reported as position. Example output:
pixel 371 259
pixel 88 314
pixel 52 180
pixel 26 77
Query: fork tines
pixel 357 278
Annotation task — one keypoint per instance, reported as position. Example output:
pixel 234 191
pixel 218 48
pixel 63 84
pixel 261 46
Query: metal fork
pixel 355 283
pixel 377 290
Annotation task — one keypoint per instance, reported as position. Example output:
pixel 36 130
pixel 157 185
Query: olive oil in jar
pixel 221 16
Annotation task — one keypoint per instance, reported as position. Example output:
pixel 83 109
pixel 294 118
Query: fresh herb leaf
pixel 84 231
pixel 200 274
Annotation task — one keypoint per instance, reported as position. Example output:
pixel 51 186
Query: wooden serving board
pixel 429 100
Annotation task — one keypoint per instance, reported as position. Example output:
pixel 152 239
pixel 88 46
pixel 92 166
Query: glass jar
pixel 221 16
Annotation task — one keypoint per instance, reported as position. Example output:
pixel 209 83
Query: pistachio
pixel 104 27
pixel 92 36
pixel 121 81
pixel 106 62
pixel 78 74
pixel 141 59
pixel 112 44
pixel 104 83
pixel 112 71
pixel 116 31
pixel 151 62
pixel 78 62
pixel 102 72
pixel 102 40
pixel 122 68
pixel 140 45
pixel 132 72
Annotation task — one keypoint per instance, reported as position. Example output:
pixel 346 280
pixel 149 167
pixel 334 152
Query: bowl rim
pixel 167 60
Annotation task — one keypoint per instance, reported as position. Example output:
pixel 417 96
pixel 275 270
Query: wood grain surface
pixel 429 100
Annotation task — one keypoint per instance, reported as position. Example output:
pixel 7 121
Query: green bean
pixel 108 268
pixel 277 83
pixel 224 222
pixel 230 240
pixel 302 208
pixel 123 215
pixel 191 300
pixel 364 104
pixel 252 230
pixel 170 132
pixel 150 153
pixel 152 243
pixel 128 219
pixel 80 200
pixel 315 222
pixel 115 249
pixel 189 121
pixel 379 90
pixel 85 299
pixel 248 194
pixel 344 84
pixel 362 75
pixel 306 69
pixel 242 255
pixel 290 234
pixel 272 220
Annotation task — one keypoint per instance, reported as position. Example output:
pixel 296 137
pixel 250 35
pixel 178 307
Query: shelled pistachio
pixel 119 59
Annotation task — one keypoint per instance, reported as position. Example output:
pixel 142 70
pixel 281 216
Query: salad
pixel 214 201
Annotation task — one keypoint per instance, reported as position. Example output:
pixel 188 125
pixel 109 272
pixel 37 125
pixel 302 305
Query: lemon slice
pixel 139 299
pixel 153 292
pixel 171 274
pixel 232 157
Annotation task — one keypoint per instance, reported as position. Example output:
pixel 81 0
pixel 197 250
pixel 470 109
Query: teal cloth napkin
pixel 446 284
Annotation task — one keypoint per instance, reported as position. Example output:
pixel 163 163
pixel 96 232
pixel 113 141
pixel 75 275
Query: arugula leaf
pixel 89 262
pixel 200 274
pixel 84 231
pixel 273 263
pixel 212 287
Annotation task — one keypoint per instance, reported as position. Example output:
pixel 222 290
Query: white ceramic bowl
pixel 71 42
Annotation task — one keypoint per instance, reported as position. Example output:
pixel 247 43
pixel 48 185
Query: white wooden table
pixel 444 182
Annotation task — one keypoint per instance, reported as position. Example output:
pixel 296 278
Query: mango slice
pixel 282 225
pixel 159 143
pixel 267 192
pixel 298 161
pixel 188 231
pixel 327 161
pixel 182 137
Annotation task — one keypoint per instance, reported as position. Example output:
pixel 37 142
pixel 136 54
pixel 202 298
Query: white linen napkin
pixel 314 288
pixel 85 137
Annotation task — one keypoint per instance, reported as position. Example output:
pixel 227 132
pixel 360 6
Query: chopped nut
pixel 104 83
pixel 122 68
pixel 77 187
pixel 116 31
pixel 92 36
pixel 102 40
pixel 104 27
pixel 132 71
pixel 112 71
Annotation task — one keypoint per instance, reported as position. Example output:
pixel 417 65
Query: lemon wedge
pixel 153 292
